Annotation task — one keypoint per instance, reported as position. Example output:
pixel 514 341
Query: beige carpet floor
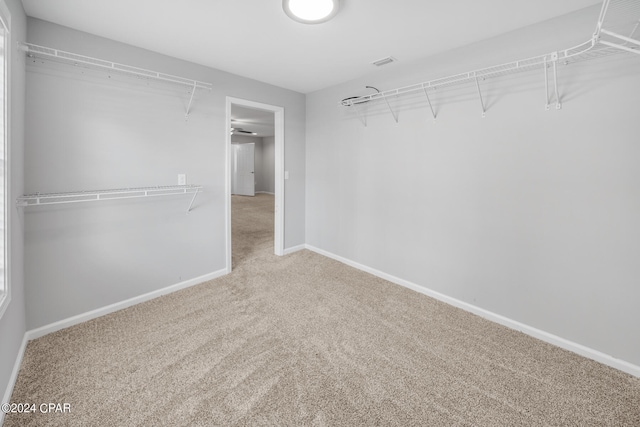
pixel 303 340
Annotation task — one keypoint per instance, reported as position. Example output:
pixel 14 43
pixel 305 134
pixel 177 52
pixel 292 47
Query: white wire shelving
pixel 43 52
pixel 616 32
pixel 42 199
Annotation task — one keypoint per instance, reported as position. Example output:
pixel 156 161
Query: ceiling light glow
pixel 310 11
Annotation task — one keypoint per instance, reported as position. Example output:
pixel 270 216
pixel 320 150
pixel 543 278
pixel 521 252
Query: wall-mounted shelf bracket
pixel 633 31
pixel 635 44
pixel 193 199
pixel 42 52
pixel 433 112
pixel 395 116
pixel 630 9
pixel 193 92
pixel 484 111
pixel 546 84
pixel 361 116
pixel 553 57
pixel 41 199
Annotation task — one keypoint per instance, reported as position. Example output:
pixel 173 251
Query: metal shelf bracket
pixel 433 112
pixel 484 111
pixel 361 116
pixel 625 39
pixel 546 84
pixel 193 91
pixel 193 199
pixel 395 116
pixel 553 57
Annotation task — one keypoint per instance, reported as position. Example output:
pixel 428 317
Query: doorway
pixel 231 156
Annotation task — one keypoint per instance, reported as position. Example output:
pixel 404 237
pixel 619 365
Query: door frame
pixel 278 236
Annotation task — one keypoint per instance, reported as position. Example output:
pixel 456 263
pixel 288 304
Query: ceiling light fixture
pixel 311 11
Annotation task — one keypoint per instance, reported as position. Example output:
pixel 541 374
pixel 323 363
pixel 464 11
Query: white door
pixel 244 177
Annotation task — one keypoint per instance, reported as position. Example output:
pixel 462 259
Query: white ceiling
pixel 255 39
pixel 250 119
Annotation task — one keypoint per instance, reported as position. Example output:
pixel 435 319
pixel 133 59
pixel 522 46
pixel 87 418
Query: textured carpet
pixel 304 340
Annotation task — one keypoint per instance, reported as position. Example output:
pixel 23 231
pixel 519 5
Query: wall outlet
pixel 182 179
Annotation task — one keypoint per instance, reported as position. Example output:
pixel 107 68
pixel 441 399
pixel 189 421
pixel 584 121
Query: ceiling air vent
pixel 240 130
pixel 384 61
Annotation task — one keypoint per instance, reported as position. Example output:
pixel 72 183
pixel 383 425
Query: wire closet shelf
pixel 43 52
pixel 41 199
pixel 616 32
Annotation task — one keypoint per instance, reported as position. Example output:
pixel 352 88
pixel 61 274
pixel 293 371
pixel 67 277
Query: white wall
pixel 12 323
pixel 527 213
pixel 88 131
pixel 266 171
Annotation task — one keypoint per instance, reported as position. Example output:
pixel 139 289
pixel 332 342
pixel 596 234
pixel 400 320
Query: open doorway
pixel 255 172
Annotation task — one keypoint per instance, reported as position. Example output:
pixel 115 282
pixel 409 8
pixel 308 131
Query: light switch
pixel 182 179
pixel 286 174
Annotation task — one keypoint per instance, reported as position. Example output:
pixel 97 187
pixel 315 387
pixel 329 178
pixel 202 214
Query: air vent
pixel 240 130
pixel 384 61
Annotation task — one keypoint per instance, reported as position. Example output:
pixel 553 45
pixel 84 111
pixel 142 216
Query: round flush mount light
pixel 311 11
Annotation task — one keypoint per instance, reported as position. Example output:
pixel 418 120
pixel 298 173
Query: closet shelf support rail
pixel 621 15
pixel 43 52
pixel 38 51
pixel 41 199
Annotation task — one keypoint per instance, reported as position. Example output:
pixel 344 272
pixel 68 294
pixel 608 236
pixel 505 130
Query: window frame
pixel 5 290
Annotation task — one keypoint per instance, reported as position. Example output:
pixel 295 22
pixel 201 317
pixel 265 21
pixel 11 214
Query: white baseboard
pixel 505 321
pixel 53 327
pixel 265 192
pixel 65 323
pixel 294 249
pixel 14 376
